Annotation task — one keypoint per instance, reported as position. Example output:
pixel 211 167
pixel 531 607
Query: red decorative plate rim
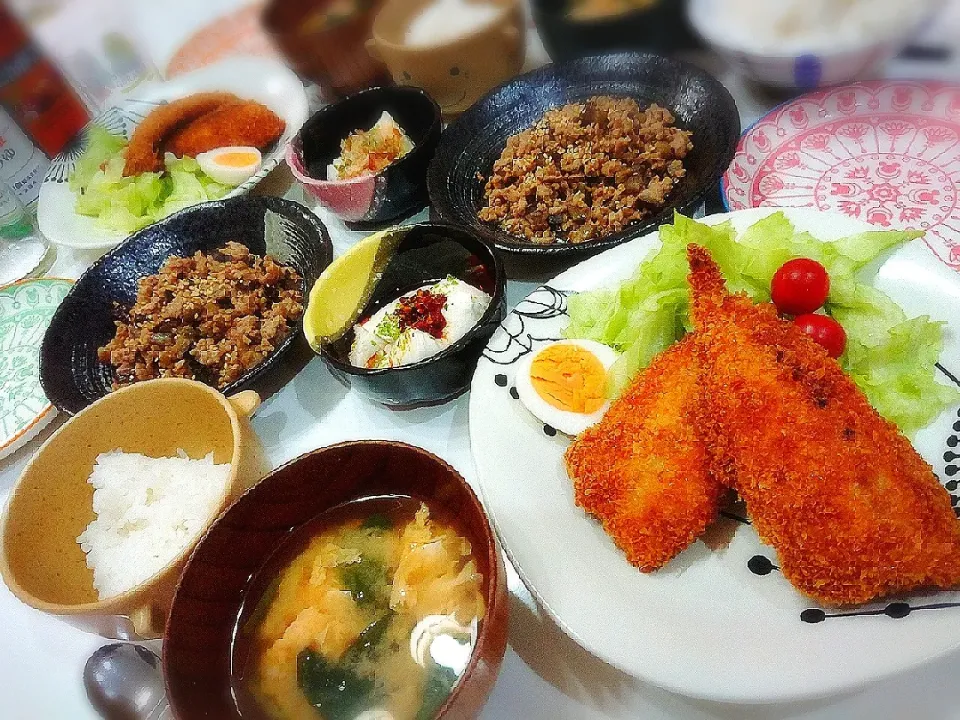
pixel 887 152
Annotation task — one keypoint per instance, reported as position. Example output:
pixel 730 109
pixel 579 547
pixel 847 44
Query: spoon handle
pixel 161 712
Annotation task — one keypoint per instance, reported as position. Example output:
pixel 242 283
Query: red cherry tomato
pixel 825 331
pixel 800 286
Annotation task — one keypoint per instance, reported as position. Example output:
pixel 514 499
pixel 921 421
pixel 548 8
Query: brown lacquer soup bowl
pixel 204 641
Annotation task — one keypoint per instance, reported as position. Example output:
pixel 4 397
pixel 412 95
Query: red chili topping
pixel 424 311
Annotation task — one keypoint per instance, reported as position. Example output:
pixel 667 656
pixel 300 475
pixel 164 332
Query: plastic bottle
pixel 24 251
pixel 34 92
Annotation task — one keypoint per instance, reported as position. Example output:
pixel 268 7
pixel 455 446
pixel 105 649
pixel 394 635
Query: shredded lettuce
pixel 101 146
pixel 890 357
pixel 126 204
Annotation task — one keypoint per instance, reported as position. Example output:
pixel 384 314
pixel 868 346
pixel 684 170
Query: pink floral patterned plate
pixel 884 152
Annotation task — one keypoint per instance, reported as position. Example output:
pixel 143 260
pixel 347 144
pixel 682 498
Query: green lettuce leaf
pixel 101 146
pixel 890 357
pixel 126 204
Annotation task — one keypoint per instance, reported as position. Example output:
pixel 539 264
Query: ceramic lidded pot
pixel 52 503
pixel 464 63
pixel 323 40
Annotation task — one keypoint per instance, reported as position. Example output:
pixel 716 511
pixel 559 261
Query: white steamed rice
pixel 147 511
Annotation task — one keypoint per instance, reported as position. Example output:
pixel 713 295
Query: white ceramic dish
pixel 706 625
pixel 804 70
pixel 265 81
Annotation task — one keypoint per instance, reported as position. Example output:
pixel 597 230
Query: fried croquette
pixel 246 123
pixel 642 471
pixel 145 151
pixel 851 508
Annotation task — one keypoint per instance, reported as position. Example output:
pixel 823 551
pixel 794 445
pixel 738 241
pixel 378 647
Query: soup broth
pixel 374 617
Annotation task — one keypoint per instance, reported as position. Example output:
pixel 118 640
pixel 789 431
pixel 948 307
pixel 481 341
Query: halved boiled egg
pixel 564 384
pixel 230 165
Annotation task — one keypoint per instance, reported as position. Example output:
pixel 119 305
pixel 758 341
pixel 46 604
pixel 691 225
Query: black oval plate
pixel 475 140
pixel 70 373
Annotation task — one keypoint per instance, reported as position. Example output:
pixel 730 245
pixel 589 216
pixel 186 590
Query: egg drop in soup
pixel 374 618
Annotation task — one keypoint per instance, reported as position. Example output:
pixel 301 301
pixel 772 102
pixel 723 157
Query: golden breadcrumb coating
pixel 246 123
pixel 145 151
pixel 642 471
pixel 851 508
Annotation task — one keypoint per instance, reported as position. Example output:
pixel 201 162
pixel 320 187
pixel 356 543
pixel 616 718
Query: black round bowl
pixel 471 145
pixel 661 28
pixel 71 374
pixel 428 252
pixel 395 191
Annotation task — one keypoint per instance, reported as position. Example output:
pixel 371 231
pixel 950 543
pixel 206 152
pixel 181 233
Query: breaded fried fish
pixel 244 123
pixel 145 151
pixel 852 509
pixel 642 470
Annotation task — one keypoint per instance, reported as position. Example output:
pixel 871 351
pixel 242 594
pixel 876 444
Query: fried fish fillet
pixel 851 508
pixel 244 123
pixel 145 151
pixel 642 470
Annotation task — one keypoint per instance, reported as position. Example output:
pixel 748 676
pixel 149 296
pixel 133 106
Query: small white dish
pixel 266 81
pixel 791 67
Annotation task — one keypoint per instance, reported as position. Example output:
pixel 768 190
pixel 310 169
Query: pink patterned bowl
pixel 351 200
pixel 395 191
pixel 884 152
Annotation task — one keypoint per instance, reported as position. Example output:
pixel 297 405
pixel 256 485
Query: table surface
pixel 545 675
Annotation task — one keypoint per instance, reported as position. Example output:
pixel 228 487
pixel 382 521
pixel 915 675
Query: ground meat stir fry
pixel 585 171
pixel 208 317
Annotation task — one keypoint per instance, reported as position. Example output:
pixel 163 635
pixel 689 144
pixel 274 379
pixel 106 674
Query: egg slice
pixel 230 165
pixel 564 383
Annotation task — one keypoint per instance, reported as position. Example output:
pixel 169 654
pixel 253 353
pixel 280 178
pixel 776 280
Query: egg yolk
pixel 235 159
pixel 569 378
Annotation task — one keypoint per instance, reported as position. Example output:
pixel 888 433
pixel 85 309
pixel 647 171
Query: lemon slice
pixel 343 290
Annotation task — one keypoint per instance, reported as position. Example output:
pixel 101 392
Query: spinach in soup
pixel 375 618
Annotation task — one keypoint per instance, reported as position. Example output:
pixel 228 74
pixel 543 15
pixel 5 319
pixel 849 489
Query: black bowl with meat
pixel 690 102
pixel 224 317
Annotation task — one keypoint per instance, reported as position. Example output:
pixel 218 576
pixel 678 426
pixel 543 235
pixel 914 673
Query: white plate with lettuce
pixel 111 207
pixel 721 624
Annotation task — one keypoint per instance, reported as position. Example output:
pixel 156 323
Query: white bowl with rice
pixel 102 520
pixel 805 44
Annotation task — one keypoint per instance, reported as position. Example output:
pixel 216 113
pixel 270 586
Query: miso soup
pixel 374 616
